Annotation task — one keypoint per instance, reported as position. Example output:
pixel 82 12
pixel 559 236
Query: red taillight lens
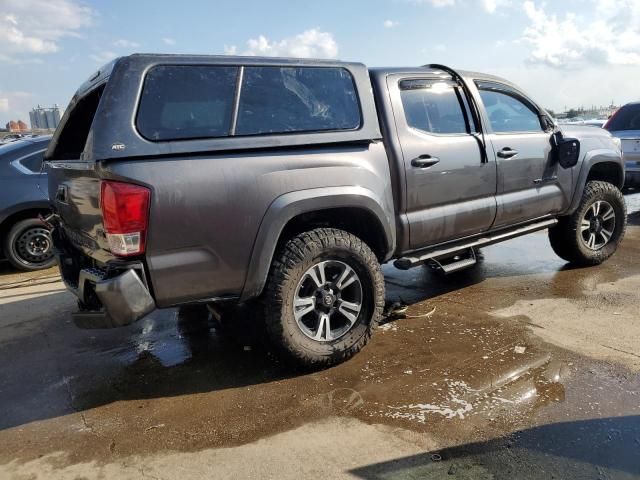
pixel 125 212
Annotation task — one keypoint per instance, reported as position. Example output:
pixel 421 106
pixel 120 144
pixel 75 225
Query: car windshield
pixel 627 118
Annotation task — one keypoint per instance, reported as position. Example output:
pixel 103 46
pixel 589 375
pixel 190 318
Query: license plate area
pixel 631 145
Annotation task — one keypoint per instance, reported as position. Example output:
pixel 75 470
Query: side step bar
pixel 447 265
pixel 419 257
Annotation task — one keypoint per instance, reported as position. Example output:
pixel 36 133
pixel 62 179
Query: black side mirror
pixel 566 150
pixel 547 123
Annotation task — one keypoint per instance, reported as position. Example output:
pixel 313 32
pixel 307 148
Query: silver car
pixel 625 124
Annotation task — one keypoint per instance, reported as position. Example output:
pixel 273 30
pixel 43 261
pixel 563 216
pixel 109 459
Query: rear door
pixel 528 185
pixel 31 166
pixel 19 175
pixel 450 189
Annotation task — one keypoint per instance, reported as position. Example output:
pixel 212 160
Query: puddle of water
pixel 451 374
pixel 587 322
pixel 496 385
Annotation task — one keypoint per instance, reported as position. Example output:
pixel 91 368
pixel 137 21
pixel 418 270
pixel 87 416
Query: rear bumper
pixel 112 295
pixel 124 299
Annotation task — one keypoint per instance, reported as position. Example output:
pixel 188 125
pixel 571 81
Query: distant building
pixel 44 118
pixel 602 112
pixel 17 127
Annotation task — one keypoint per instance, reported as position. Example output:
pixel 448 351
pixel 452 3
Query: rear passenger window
pixel 186 102
pixel 433 106
pixel 302 99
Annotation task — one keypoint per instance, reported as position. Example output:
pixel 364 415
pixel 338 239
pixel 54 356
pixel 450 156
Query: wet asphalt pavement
pixel 518 368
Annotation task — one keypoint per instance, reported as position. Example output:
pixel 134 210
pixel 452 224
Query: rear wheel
pixel 593 232
pixel 324 297
pixel 28 245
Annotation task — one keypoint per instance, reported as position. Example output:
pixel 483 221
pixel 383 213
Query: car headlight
pixel 618 143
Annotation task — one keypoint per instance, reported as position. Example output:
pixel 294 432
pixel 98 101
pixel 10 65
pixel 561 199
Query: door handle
pixel 507 152
pixel 424 161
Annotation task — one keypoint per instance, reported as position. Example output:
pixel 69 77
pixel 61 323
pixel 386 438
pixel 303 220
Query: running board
pixel 463 260
pixel 419 257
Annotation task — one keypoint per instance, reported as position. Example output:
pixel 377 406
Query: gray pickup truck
pixel 285 183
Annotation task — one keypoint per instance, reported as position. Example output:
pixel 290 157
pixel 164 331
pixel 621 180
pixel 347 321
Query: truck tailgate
pixel 74 189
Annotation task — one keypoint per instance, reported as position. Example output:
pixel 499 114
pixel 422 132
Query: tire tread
pixel 564 237
pixel 296 250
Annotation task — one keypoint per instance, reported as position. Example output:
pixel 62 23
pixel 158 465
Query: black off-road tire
pixel 566 239
pixel 289 266
pixel 12 249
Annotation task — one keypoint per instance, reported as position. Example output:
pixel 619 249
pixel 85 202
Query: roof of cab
pixel 427 70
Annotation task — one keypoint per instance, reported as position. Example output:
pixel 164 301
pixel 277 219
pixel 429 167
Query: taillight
pixel 125 212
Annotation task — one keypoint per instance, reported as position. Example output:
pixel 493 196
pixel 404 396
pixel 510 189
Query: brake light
pixel 125 213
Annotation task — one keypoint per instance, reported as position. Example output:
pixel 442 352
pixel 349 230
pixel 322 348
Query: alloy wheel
pixel 598 225
pixel 328 300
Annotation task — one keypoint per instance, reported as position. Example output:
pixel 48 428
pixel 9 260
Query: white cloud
pixel 37 26
pixel 440 47
pixel 124 43
pixel 14 105
pixel 312 43
pixel 390 23
pixel 492 5
pixel 573 42
pixel 440 3
pixel 103 57
pixel 169 41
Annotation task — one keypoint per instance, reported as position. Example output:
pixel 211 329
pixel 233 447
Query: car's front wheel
pixel 28 245
pixel 594 231
pixel 324 297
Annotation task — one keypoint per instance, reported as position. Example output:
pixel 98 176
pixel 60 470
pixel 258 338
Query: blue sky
pixel 565 53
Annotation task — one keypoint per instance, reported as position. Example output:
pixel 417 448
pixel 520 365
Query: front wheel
pixel 28 245
pixel 594 231
pixel 324 297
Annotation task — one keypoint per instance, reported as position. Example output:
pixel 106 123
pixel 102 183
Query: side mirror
pixel 566 150
pixel 548 123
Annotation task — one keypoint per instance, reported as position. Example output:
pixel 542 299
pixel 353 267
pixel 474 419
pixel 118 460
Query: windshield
pixel 627 118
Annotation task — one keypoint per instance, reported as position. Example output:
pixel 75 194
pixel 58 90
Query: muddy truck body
pixel 283 184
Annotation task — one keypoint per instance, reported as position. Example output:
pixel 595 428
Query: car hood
pixel 626 133
pixel 582 131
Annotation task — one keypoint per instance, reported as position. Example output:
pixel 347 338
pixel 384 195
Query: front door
pixel 450 191
pixel 528 184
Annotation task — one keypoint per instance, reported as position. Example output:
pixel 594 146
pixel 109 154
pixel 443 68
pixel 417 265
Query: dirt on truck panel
pixel 420 165
pixel 519 368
